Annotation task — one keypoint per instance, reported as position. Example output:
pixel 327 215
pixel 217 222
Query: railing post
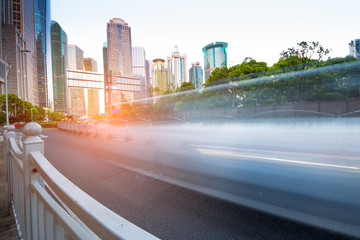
pixel 8 134
pixel 32 143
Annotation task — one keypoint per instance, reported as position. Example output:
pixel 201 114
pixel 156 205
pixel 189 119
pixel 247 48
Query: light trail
pixel 237 155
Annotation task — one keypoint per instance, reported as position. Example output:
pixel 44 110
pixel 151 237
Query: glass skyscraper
pixel 139 69
pixel 59 59
pixel 18 33
pixel 43 48
pixel 119 65
pixel 177 69
pixel 75 58
pixel 119 47
pixel 196 74
pixel 215 56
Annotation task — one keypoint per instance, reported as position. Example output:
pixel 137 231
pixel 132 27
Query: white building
pixel 354 48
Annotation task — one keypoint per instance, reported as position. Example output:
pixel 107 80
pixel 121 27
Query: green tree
pixel 186 86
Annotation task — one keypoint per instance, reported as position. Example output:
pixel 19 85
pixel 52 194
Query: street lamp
pixel 6 70
pixel 15 108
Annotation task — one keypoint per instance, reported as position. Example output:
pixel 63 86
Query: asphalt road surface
pixel 166 210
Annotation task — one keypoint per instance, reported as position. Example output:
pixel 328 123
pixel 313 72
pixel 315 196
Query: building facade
pixel 354 48
pixel 119 47
pixel 148 80
pixel 59 60
pixel 120 85
pixel 43 49
pixel 139 69
pixel 75 58
pixel 18 33
pixel 177 69
pixel 90 65
pixel 159 76
pixel 27 30
pixel 215 56
pixel 196 74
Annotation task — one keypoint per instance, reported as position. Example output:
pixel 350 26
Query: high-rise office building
pixel 177 69
pixel 120 85
pixel 19 34
pixel 17 74
pixel 28 31
pixel 159 75
pixel 139 69
pixel 75 58
pixel 105 59
pixel 90 65
pixel 215 56
pixel 59 59
pixel 6 21
pixel 43 49
pixel 148 77
pixel 354 48
pixel 196 74
pixel 119 47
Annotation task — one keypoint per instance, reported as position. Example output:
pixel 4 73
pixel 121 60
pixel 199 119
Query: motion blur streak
pixel 220 153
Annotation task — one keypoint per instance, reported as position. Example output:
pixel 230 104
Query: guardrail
pixel 47 205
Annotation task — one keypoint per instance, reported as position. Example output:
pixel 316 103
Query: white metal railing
pixel 47 205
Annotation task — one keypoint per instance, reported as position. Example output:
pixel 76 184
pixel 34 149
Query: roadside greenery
pixel 20 111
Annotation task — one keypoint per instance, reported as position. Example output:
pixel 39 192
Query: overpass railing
pixel 46 205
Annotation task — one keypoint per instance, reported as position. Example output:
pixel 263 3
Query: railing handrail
pixel 101 220
pixel 71 209
pixel 62 216
pixel 15 148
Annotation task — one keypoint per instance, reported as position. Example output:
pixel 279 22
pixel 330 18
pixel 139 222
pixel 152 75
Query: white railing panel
pixel 62 222
pixel 16 189
pixel 101 220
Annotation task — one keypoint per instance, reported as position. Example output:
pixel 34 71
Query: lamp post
pixel 15 108
pixel 6 70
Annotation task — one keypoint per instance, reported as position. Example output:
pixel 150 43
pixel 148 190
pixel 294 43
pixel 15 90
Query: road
pixel 166 199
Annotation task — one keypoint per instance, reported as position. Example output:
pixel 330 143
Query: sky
pixel 258 29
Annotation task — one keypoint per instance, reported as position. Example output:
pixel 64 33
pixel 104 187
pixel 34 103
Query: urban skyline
pixel 275 27
pixel 31 26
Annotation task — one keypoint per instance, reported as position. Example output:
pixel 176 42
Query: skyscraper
pixel 105 59
pixel 215 56
pixel 139 69
pixel 43 48
pixel 177 69
pixel 90 65
pixel 354 48
pixel 148 77
pixel 27 21
pixel 120 86
pixel 59 59
pixel 159 75
pixel 19 34
pixel 119 47
pixel 196 74
pixel 75 58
